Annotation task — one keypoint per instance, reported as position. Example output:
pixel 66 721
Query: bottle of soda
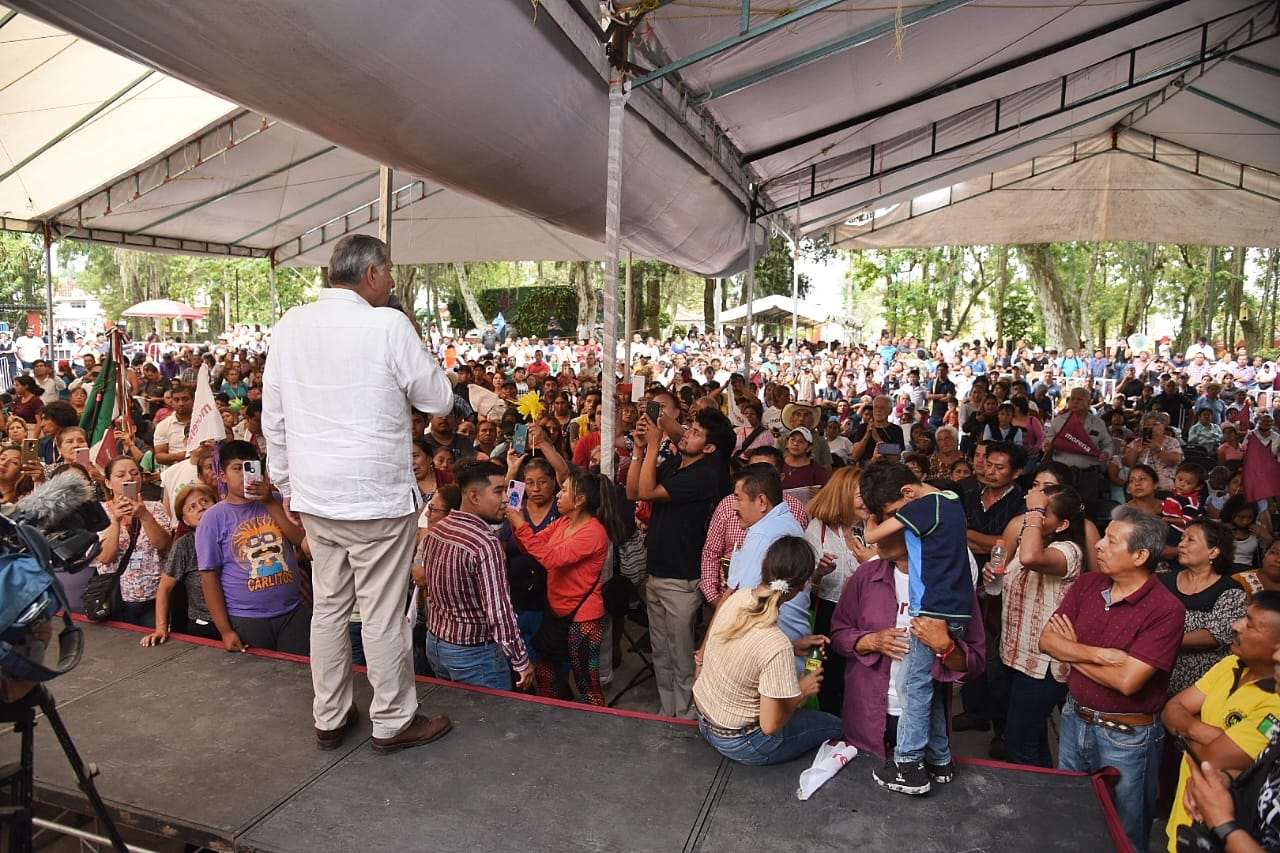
pixel 812 663
pixel 996 564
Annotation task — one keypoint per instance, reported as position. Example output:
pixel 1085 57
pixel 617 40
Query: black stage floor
pixel 217 749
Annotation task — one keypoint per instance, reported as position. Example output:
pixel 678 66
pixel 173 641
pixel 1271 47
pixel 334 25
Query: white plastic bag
pixel 831 758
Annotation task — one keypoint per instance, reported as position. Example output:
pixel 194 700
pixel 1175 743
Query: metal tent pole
pixel 275 299
pixel 795 292
pixel 750 284
pixel 628 326
pixel 48 273
pixel 612 239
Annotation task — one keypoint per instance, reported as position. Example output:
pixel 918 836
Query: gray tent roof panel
pixel 812 108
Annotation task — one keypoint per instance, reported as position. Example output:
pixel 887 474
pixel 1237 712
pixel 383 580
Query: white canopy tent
pixel 775 310
pixel 100 148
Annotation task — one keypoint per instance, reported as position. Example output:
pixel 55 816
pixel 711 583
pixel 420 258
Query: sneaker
pixel 941 774
pixel 905 777
pixel 421 730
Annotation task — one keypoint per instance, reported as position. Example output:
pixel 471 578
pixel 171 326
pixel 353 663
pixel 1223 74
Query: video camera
pixel 54 528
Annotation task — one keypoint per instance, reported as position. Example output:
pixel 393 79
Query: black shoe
pixel 969 723
pixel 941 774
pixel 905 777
pixel 996 750
pixel 332 739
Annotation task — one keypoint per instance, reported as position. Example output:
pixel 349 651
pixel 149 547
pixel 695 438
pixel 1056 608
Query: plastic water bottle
pixel 996 563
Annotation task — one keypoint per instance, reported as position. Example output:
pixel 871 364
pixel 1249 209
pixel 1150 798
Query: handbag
pixel 101 598
pixel 551 642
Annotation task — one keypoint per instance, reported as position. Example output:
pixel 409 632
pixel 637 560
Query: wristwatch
pixel 1225 829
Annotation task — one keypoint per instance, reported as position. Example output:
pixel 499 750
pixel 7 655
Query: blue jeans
pixel 480 666
pixel 1087 749
pixel 804 731
pixel 1026 732
pixel 922 728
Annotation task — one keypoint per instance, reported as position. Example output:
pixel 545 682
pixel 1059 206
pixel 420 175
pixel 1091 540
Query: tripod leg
pixel 83 776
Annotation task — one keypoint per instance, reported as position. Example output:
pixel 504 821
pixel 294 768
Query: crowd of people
pixel 823 541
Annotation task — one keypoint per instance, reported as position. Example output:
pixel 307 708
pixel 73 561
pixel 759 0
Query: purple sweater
pixel 869 604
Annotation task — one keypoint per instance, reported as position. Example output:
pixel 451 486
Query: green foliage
pixel 774 271
pixel 679 329
pixel 232 290
pixel 1021 315
pixel 22 277
pixel 526 309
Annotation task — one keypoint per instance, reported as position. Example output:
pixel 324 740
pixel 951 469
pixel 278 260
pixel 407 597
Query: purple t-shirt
pixel 259 569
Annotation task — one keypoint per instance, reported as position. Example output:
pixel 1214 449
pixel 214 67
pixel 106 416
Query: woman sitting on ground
pixel 750 702
pixel 573 550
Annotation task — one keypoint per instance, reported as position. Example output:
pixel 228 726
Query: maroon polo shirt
pixel 1148 625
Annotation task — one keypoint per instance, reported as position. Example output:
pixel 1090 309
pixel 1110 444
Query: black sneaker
pixel 941 774
pixel 907 777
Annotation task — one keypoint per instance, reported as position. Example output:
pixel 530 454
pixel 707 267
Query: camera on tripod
pixel 52 529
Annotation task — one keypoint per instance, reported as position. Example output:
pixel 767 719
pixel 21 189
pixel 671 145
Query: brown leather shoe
pixel 421 730
pixel 328 740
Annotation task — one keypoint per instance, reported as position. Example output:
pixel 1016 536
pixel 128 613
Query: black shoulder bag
pixel 102 600
pixel 551 642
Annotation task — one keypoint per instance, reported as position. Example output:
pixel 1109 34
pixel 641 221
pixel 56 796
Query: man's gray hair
pixel 1146 533
pixel 354 254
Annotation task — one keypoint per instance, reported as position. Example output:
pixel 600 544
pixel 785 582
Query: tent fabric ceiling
pixel 825 115
pixel 1118 187
pixel 208 176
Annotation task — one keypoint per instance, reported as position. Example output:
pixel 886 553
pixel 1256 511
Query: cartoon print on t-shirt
pixel 258 545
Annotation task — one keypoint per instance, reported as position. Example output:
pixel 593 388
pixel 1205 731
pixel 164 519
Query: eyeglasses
pixel 431 508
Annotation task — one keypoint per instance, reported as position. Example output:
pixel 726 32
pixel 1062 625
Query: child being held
pixel 941 587
pixel 1186 504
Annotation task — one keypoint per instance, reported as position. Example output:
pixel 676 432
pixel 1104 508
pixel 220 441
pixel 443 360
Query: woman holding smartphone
pixel 139 531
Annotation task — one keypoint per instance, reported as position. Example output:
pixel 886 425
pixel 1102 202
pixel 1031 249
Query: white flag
pixel 206 420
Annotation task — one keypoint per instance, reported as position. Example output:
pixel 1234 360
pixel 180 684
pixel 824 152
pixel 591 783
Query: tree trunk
pixel 406 278
pixel 1055 300
pixel 653 305
pixel 468 298
pixel 1002 293
pixel 580 277
pixel 708 303
pixel 1086 296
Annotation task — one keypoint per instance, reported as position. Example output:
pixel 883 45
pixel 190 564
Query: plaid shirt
pixel 725 535
pixel 468 597
pixel 1030 598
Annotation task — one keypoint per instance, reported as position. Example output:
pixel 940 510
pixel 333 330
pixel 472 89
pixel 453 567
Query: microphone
pixel 53 502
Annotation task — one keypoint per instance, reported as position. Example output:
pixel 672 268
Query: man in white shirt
pixel 30 349
pixel 357 497
pixel 51 387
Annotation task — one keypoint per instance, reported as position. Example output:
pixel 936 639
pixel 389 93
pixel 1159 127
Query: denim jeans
pixel 804 731
pixel 480 666
pixel 1087 748
pixel 922 727
pixel 1031 701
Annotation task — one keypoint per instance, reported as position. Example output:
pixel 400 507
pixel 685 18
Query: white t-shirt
pixel 902 583
pixel 28 347
pixel 171 432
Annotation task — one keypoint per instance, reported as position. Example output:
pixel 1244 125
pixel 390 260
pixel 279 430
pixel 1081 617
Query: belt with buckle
pixel 1106 720
pixel 750 728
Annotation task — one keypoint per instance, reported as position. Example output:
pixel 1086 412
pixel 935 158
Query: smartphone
pixel 653 410
pixel 252 472
pixel 30 450
pixel 520 442
pixel 82 458
pixel 515 494
pixel 1185 746
pixel 884 448
pixel 130 489
pixel 1147 433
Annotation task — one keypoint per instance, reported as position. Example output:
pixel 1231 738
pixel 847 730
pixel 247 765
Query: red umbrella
pixel 163 308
